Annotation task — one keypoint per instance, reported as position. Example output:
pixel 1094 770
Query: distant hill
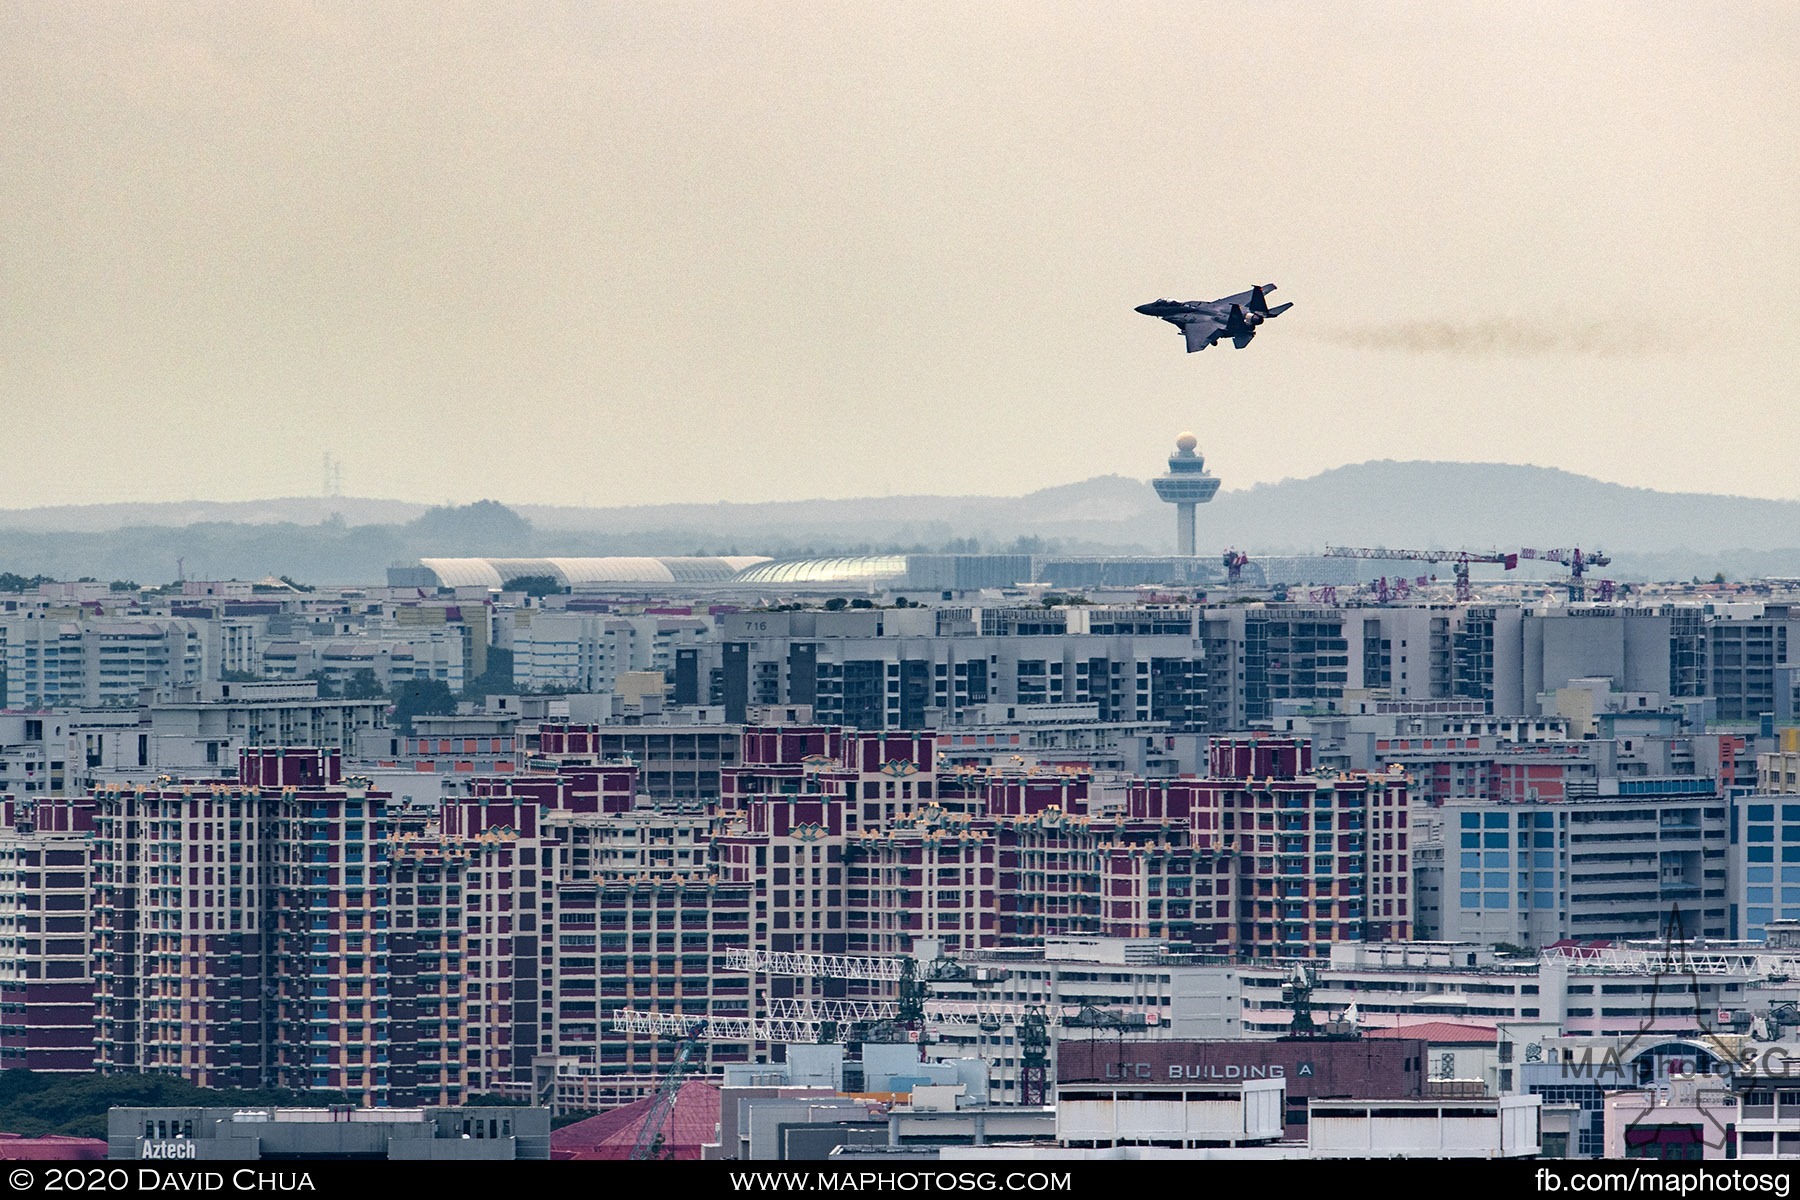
pixel 300 510
pixel 1106 512
pixel 1478 505
pixel 1422 505
pixel 1415 505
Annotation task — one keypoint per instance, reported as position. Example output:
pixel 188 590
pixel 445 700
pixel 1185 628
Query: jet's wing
pixel 1242 299
pixel 1201 332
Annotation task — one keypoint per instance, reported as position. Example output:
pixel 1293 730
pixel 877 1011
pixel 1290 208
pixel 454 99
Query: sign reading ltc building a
pixel 1377 1069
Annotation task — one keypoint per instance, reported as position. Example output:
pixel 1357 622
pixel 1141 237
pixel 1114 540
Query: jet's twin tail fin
pixel 1259 301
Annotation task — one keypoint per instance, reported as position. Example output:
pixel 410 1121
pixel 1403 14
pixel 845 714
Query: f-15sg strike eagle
pixel 1204 322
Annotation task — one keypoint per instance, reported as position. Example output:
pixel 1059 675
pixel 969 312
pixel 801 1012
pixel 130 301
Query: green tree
pixel 418 698
pixel 534 585
pixel 362 686
pixel 36 1104
pixel 496 680
pixel 485 527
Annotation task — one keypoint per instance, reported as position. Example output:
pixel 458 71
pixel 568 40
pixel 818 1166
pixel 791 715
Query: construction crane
pixel 1297 994
pixel 1459 561
pixel 785 1020
pixel 801 1020
pixel 905 971
pixel 912 1007
pixel 1018 1012
pixel 1578 563
pixel 1399 590
pixel 716 1029
pixel 649 1136
pixel 1034 1057
pixel 829 966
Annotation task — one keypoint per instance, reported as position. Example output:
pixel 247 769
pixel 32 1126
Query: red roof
pixel 613 1135
pixel 1442 1033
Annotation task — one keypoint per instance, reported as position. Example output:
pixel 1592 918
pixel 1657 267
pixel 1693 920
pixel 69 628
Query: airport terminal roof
pixel 575 572
pixel 861 570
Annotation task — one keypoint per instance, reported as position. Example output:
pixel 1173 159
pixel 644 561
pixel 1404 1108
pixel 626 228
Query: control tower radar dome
pixel 1186 485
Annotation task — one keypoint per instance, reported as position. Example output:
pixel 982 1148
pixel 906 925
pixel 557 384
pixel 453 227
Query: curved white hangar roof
pixel 863 570
pixel 573 572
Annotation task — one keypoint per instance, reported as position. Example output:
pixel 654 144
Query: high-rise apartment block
pixel 46 936
pixel 241 927
pixel 96 663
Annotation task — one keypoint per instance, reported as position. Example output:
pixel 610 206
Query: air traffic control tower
pixel 1186 485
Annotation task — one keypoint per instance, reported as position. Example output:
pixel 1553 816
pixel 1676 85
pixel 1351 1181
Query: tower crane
pixel 1578 563
pixel 650 1133
pixel 1459 561
pixel 1297 993
pixel 913 1006
pixel 830 966
pixel 814 1020
pixel 1034 1056
pixel 782 1020
pixel 807 1020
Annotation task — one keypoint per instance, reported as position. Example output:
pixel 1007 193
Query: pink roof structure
pixel 1440 1033
pixel 692 1123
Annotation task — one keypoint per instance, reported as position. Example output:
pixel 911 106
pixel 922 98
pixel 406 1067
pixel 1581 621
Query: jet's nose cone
pixel 1149 310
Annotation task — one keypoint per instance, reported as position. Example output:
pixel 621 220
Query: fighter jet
pixel 1204 322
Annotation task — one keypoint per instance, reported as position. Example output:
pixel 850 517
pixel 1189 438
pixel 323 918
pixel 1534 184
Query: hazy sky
pixel 645 252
